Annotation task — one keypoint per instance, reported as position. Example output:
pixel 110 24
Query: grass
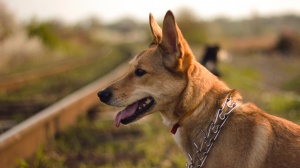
pixel 35 96
pixel 292 85
pixel 286 106
pixel 98 143
pixel 271 83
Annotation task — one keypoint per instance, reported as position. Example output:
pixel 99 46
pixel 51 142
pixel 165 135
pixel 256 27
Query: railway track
pixel 15 81
pixel 24 139
pixel 35 90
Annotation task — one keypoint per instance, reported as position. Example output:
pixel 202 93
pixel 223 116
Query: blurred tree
pixel 192 28
pixel 90 23
pixel 255 21
pixel 45 32
pixel 7 22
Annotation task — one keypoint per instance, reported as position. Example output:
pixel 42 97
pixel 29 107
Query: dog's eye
pixel 140 72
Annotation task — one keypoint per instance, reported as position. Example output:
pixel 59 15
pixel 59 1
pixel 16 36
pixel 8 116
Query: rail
pixel 15 81
pixel 24 139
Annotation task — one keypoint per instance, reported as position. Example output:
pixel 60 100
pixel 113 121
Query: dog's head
pixel 157 76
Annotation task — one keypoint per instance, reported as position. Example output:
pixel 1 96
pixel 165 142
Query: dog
pixel 210 59
pixel 210 122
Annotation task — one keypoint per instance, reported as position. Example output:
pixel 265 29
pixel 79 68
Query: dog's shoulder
pixel 249 116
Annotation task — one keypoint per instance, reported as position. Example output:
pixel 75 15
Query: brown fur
pixel 251 138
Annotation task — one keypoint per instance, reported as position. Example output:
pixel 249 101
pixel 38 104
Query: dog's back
pixel 263 139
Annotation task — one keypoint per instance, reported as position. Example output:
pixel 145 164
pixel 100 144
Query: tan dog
pixel 167 78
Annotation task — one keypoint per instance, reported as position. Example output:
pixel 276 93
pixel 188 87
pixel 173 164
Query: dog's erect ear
pixel 170 40
pixel 170 35
pixel 155 29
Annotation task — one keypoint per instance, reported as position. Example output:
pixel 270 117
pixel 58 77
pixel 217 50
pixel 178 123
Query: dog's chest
pixel 180 141
pixel 177 138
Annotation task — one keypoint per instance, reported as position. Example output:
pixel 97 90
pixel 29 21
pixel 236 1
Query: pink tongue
pixel 127 112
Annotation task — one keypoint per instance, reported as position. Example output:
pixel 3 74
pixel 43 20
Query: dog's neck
pixel 196 141
pixel 202 100
pixel 194 96
pixel 200 85
pixel 201 119
pixel 206 104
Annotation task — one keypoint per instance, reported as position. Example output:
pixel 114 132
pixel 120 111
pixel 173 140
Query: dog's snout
pixel 105 95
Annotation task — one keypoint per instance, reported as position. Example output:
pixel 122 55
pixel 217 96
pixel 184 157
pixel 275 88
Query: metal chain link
pixel 210 137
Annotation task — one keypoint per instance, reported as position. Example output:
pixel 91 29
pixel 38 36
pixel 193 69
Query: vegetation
pixel 269 82
pixel 37 95
pixel 99 144
pixel 44 32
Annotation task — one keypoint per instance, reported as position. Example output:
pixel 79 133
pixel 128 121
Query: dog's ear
pixel 155 30
pixel 170 41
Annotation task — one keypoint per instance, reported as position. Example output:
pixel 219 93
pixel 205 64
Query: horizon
pixel 71 11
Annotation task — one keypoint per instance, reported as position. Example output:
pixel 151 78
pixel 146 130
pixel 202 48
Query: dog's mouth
pixel 134 111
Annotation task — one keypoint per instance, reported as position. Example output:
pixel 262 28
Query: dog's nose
pixel 105 95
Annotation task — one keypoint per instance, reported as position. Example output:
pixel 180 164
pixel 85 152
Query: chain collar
pixel 214 129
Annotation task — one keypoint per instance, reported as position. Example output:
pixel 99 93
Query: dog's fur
pixel 178 84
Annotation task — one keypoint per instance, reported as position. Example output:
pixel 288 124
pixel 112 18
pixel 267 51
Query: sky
pixel 111 10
